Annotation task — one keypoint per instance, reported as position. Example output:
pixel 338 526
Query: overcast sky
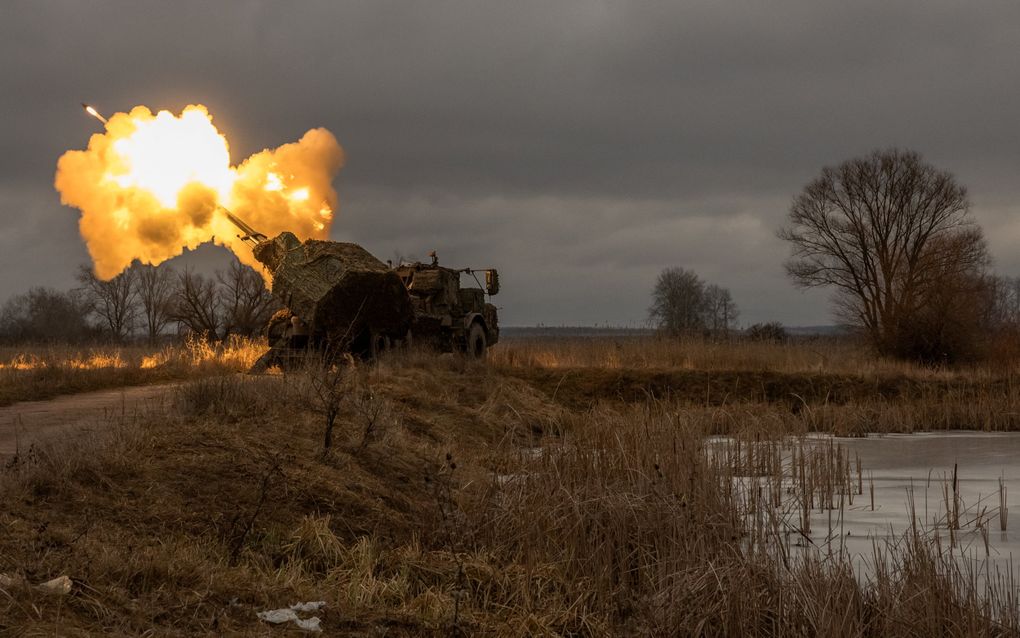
pixel 580 147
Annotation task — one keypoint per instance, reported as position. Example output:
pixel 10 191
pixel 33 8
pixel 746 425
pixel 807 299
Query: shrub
pixel 772 332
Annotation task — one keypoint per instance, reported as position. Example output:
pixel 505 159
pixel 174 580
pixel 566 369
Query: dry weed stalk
pixel 1003 507
pixel 328 380
pixel 242 525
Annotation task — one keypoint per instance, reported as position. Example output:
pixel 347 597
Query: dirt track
pixel 32 421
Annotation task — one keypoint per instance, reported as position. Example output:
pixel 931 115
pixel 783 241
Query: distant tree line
pixel 895 241
pixel 143 302
pixel 684 304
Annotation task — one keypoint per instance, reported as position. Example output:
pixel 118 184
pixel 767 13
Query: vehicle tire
pixel 476 342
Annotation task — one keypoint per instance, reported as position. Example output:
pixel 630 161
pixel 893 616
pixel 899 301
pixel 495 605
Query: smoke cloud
pixel 155 184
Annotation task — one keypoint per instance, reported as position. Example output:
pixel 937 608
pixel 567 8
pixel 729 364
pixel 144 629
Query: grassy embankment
pixel 507 499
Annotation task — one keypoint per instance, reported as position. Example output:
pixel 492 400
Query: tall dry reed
pixel 641 522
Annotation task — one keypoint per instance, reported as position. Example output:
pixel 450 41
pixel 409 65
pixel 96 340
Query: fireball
pixel 152 185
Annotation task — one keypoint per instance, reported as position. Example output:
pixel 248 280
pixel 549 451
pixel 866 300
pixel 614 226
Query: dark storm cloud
pixel 580 146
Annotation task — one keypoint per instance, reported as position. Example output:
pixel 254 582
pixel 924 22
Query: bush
pixel 772 332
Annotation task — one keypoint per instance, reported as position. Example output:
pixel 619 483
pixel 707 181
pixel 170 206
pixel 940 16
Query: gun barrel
pixel 250 234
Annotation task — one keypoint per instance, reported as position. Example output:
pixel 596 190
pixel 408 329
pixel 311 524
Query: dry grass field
pixel 819 355
pixel 561 488
pixel 33 373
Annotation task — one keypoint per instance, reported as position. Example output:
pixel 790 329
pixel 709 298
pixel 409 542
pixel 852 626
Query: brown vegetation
pixel 460 498
pixel 33 373
pixel 844 356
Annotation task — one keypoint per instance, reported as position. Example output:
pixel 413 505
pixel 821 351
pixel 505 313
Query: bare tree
pixel 1002 308
pixel 244 300
pixel 196 304
pixel 112 302
pixel 720 311
pixel 1009 300
pixel 678 302
pixel 155 290
pixel 684 304
pixel 889 233
pixel 45 315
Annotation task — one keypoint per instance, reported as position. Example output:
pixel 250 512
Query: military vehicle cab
pixel 447 315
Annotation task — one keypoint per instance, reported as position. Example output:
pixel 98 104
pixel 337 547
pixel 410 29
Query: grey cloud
pixel 582 146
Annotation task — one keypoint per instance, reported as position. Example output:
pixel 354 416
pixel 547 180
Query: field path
pixel 27 422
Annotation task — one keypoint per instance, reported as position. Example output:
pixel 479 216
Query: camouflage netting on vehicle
pixel 338 289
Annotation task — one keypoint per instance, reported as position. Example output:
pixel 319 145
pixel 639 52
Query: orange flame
pixel 152 185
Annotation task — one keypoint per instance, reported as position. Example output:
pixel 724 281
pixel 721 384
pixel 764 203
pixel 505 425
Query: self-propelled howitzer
pixel 337 297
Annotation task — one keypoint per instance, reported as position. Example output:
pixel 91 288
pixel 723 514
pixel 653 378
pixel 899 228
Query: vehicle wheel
pixel 476 343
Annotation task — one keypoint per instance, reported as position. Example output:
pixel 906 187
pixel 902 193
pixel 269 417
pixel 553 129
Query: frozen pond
pixel 911 476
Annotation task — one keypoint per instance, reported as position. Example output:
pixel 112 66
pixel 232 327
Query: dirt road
pixel 22 424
